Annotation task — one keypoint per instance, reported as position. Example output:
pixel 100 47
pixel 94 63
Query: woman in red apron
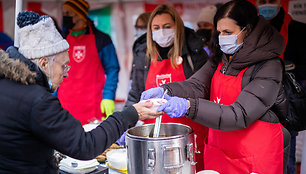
pixel 168 46
pixel 245 135
pixel 162 71
pixel 244 150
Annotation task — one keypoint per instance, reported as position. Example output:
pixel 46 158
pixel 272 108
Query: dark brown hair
pixel 144 17
pixel 242 12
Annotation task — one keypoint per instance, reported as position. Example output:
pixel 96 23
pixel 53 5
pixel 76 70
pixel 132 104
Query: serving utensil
pixel 158 121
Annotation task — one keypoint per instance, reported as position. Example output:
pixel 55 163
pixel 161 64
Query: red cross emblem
pixel 163 79
pixel 79 53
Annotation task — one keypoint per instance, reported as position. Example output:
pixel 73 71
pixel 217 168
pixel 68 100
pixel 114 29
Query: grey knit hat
pixel 38 36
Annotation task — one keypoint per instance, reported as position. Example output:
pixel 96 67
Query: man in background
pixel 94 66
pixel 205 23
pixel 141 24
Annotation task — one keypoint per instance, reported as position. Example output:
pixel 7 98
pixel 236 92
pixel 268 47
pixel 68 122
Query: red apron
pixel 81 92
pixel 161 72
pixel 257 148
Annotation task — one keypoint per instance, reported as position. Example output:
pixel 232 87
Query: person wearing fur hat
pixel 90 90
pixel 205 25
pixel 32 120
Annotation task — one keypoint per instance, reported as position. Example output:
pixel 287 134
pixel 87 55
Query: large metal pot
pixel 171 153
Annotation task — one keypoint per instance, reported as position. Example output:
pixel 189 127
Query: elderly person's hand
pixel 144 111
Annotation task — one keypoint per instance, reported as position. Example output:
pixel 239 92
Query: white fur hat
pixel 207 14
pixel 39 38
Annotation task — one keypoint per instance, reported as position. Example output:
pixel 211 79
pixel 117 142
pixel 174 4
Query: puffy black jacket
pixel 33 122
pixel 257 97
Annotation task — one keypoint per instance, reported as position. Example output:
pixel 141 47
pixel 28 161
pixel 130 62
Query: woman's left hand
pixel 157 92
pixel 175 107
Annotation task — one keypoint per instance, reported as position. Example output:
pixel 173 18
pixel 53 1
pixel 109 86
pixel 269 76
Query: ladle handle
pixel 157 127
pixel 195 144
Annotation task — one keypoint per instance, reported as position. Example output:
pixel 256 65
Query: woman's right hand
pixel 144 111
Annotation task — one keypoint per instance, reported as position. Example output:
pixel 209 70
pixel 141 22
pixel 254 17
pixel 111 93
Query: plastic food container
pixel 156 102
pixel 117 158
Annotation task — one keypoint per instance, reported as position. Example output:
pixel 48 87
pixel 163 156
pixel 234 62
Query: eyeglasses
pixel 66 68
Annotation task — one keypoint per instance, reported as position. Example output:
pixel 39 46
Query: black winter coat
pixel 295 49
pixel 192 46
pixel 33 122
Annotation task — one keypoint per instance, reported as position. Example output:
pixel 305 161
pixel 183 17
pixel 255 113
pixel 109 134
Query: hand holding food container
pixel 157 102
pixel 157 92
pixel 145 111
pixel 174 107
pixel 144 107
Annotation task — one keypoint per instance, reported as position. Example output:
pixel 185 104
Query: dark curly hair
pixel 241 11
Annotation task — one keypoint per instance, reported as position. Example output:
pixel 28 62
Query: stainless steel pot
pixel 171 153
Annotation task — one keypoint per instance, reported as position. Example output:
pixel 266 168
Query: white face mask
pixel 164 37
pixel 228 43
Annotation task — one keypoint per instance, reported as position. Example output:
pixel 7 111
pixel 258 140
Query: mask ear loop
pixel 241 31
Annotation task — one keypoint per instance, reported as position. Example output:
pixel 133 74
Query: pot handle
pixel 172 158
pixel 190 155
pixel 151 159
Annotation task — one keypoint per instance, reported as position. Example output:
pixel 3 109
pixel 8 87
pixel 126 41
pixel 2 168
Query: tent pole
pixel 18 9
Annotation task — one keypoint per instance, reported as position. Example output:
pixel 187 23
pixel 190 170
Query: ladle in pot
pixel 158 121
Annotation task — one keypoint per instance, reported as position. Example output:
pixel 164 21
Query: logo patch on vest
pixel 163 79
pixel 218 100
pixel 79 53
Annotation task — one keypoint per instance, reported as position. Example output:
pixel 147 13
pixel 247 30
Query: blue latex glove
pixel 157 92
pixel 175 107
pixel 121 140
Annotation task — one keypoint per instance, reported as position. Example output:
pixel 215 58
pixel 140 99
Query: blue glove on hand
pixel 175 107
pixel 157 92
pixel 121 140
